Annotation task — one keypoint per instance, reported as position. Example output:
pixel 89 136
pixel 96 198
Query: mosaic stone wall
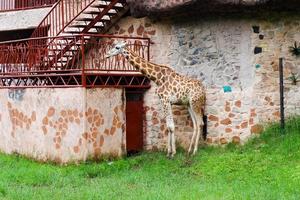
pixel 237 59
pixel 85 124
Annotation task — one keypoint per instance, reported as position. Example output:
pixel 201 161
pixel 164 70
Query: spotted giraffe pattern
pixel 172 88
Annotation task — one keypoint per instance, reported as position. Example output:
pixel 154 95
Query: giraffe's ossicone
pixel 172 88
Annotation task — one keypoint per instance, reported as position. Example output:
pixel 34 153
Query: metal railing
pixel 23 59
pixel 63 14
pixel 10 5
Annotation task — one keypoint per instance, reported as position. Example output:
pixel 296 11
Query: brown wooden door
pixel 134 123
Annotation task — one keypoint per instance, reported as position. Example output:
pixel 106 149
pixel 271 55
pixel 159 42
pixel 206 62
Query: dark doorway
pixel 15 34
pixel 134 122
pixel 205 127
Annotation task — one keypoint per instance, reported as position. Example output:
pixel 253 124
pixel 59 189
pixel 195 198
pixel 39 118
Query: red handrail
pixel 10 5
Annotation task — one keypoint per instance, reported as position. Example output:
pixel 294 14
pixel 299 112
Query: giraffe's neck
pixel 152 71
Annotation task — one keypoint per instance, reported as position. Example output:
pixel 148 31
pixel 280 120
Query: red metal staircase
pixel 84 16
pixel 73 17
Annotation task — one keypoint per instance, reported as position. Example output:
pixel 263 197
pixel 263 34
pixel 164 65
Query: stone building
pixel 232 46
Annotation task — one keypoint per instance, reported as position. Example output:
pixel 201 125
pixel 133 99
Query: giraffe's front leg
pixel 171 128
pixel 170 125
pixel 169 143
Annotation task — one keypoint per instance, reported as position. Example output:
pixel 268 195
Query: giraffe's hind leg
pixel 200 125
pixel 196 107
pixel 195 129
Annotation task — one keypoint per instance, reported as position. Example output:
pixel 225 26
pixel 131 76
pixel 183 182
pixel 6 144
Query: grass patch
pixel 267 167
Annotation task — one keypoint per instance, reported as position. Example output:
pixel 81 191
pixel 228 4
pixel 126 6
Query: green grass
pixel 267 167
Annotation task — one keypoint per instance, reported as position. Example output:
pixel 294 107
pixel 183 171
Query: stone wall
pixel 47 124
pixel 236 56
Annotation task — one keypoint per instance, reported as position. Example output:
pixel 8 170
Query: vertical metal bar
pixel 56 21
pixel 46 26
pixel 282 119
pixel 70 10
pixel 148 55
pixel 50 25
pixel 83 79
pixel 62 15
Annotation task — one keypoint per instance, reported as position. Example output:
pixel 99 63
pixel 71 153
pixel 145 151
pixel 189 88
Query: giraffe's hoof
pixel 194 153
pixel 170 155
pixel 173 154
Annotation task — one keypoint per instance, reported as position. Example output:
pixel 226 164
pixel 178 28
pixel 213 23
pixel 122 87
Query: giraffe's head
pixel 118 48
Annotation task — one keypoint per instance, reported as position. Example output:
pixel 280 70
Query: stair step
pixel 64 59
pixel 116 6
pixel 109 1
pixel 93 33
pixel 73 32
pixel 98 12
pixel 89 32
pixel 62 45
pixel 61 61
pixel 64 51
pixel 53 55
pixel 87 19
pixel 59 50
pixel 84 25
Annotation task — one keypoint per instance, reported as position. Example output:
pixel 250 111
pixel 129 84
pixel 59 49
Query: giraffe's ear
pixel 115 42
pixel 124 43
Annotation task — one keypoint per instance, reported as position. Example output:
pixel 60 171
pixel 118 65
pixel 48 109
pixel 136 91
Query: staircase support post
pixel 282 118
pixel 83 79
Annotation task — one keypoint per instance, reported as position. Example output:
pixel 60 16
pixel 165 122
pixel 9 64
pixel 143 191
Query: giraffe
pixel 172 88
